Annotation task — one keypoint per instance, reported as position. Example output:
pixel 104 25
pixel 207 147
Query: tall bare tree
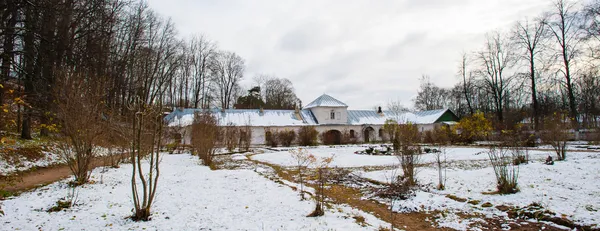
pixel 530 37
pixel 496 59
pixel 565 25
pixel 227 69
pixel 467 81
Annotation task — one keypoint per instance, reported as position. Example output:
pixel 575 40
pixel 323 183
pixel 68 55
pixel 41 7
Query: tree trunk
pixel 533 92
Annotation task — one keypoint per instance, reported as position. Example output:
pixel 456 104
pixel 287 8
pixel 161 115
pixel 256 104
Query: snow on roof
pixel 325 101
pixel 253 117
pixel 241 117
pixel 360 117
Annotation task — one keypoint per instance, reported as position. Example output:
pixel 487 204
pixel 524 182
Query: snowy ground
pixel 570 188
pixel 190 197
pixel 22 164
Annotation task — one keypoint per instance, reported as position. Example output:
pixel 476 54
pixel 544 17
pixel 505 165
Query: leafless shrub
pixel 440 138
pixel 408 152
pixel 80 108
pixel 146 144
pixel 245 138
pixel 556 133
pixel 396 188
pixel 271 138
pixel 286 137
pixel 205 136
pixel 516 143
pixel 350 137
pixel 302 160
pixel 307 136
pixel 231 137
pixel 506 172
pixel 321 179
pixel 66 202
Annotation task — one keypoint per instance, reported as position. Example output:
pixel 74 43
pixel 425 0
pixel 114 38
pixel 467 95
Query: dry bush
pixel 321 178
pixel 302 160
pixel 506 172
pixel 245 138
pixel 271 138
pixel 556 133
pixel 308 136
pixel 350 137
pixel 516 142
pixel 147 134
pixel 80 111
pixel 231 137
pixel 408 152
pixel 205 135
pixel 440 138
pixel 286 137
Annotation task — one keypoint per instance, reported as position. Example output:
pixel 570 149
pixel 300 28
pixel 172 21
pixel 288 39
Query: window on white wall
pixel 338 115
pixel 332 115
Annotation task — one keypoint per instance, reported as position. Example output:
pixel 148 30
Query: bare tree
pixel 227 69
pixel 279 94
pixel 496 58
pixel 467 81
pixel 430 96
pixel 80 110
pixel 531 37
pixel 202 51
pixel 565 25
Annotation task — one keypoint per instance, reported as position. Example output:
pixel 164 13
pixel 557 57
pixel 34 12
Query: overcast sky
pixel 363 52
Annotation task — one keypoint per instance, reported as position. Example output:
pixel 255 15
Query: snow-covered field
pixel 343 157
pixel 570 188
pixel 190 197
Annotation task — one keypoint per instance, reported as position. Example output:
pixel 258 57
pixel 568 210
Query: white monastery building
pixel 325 113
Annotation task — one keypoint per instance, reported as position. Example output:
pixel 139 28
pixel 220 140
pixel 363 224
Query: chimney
pixel 261 111
pixel 379 111
pixel 297 113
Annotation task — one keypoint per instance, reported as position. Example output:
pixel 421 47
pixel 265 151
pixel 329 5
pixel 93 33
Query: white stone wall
pixel 323 115
pixel 258 133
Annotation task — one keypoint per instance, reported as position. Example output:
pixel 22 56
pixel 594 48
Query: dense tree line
pixel 134 50
pixel 540 66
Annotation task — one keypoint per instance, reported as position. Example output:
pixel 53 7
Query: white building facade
pixel 325 114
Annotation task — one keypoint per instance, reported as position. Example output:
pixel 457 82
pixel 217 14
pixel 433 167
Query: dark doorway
pixel 368 134
pixel 332 137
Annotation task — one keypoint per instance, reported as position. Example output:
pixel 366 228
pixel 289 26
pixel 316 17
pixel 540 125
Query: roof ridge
pixel 325 100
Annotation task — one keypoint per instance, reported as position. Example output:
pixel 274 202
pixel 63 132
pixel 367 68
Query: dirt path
pixel 353 197
pixel 44 176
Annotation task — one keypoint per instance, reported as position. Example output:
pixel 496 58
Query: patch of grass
pixel 453 197
pixel 60 205
pixel 474 202
pixel 6 194
pixel 360 220
pixel 487 205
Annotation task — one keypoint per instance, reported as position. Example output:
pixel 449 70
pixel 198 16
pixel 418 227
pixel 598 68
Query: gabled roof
pixel 325 101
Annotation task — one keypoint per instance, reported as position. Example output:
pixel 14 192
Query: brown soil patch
pixel 43 176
